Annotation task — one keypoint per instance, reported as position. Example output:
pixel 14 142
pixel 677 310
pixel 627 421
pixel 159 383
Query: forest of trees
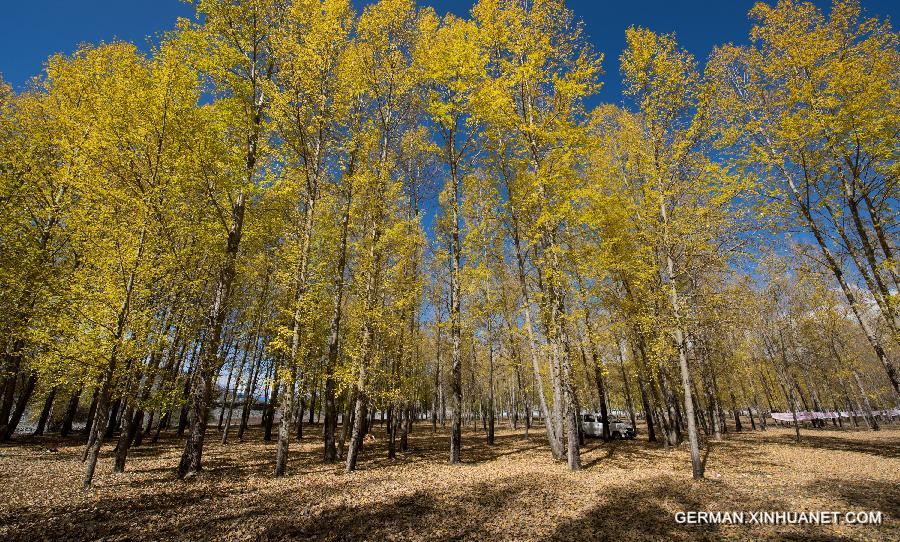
pixel 293 206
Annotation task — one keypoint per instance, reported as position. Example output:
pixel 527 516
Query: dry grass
pixel 510 491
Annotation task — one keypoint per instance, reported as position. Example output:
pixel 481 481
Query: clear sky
pixel 30 31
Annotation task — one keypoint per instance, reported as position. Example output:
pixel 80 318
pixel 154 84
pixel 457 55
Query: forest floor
pixel 628 490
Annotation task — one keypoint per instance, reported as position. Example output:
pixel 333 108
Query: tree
pixel 308 109
pixel 811 107
pixel 382 56
pixel 451 73
pixel 232 50
pixel 694 197
pixel 540 70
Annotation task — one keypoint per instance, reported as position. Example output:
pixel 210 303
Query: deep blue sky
pixel 30 31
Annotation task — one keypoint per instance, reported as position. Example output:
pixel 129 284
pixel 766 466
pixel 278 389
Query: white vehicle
pixel 618 429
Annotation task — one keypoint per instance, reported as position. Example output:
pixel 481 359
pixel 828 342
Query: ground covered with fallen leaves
pixel 628 490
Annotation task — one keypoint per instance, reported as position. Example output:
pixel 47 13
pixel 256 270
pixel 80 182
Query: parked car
pixel 618 429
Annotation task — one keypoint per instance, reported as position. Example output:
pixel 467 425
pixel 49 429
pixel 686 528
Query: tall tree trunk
pixel 455 314
pixel 785 385
pixel 250 391
pixel 648 409
pixel 436 400
pixel 234 391
pixel 734 408
pixel 92 414
pixel 838 273
pixel 114 419
pixel 681 344
pixel 554 431
pixel 406 429
pixel 134 420
pixel 256 359
pixel 19 410
pixel 312 402
pixel 368 338
pixel 347 419
pixel 201 392
pixel 71 411
pixel 334 338
pixel 163 423
pixel 712 397
pixel 490 435
pixel 392 431
pixel 189 378
pixel 288 396
pixel 12 360
pixel 298 413
pixel 873 423
pixel 625 384
pixel 271 404
pixel 881 292
pixel 45 412
pixel 287 406
pixel 359 420
pixel 883 241
pixel 95 438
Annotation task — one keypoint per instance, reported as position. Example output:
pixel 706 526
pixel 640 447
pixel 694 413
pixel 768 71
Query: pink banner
pixel 805 415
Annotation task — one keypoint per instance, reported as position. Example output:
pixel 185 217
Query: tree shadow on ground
pixel 618 453
pixel 416 515
pixel 425 446
pixel 864 495
pixel 648 513
pixel 237 498
pixel 111 518
pixel 818 441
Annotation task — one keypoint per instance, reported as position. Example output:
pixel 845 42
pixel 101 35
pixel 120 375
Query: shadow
pixel 637 514
pixel 417 515
pixel 820 441
pixel 511 490
pixel 648 513
pixel 862 495
pixel 621 453
pixel 706 451
pixel 593 462
pixel 435 448
pixel 104 519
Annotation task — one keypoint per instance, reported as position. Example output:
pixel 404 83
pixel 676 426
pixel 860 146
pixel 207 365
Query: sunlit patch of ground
pixel 628 490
